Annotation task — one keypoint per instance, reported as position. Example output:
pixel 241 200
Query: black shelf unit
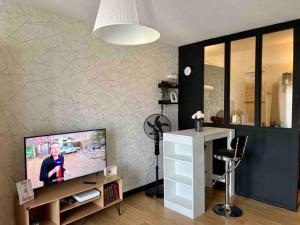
pixel 166 102
pixel 169 85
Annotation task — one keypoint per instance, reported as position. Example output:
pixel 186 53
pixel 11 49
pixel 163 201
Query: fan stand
pixel 157 191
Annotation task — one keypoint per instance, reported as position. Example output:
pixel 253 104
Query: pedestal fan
pixel 154 127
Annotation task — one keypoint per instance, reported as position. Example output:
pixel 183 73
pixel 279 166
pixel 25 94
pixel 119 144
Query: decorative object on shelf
pixel 110 171
pixel 172 79
pixel 187 71
pixel 111 193
pixel 245 118
pixel 236 117
pixel 126 22
pixel 287 79
pixel 218 118
pixel 198 125
pixel 173 97
pixel 165 90
pixel 165 87
pixel 154 127
pixel 25 191
pixel 209 88
pixel 199 119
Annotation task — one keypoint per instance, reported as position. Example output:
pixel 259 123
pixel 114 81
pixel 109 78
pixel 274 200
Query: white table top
pixel 206 131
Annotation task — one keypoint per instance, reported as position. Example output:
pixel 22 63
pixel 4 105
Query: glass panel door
pixel 242 82
pixel 277 79
pixel 214 83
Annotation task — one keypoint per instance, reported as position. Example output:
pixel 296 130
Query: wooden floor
pixel 141 210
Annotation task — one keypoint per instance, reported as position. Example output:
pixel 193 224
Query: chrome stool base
pixel 229 211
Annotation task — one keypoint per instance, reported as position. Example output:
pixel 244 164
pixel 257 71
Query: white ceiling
pixel 186 21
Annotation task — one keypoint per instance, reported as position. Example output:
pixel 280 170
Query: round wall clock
pixel 187 71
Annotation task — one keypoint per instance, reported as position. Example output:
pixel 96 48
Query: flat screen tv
pixel 52 159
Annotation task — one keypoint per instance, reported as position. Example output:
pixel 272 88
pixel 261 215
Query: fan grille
pixel 156 123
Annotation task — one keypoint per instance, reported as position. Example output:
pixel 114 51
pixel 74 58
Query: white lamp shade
pixel 126 22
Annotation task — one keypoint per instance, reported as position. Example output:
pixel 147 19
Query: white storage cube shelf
pixel 178 171
pixel 188 168
pixel 179 196
pixel 177 151
pixel 178 176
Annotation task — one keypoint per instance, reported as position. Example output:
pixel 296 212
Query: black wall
pixel 191 87
pixel 269 171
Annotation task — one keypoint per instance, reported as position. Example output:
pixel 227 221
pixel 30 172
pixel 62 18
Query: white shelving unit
pixel 178 174
pixel 188 168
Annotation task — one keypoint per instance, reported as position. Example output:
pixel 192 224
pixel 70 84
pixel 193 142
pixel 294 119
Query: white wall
pixel 55 78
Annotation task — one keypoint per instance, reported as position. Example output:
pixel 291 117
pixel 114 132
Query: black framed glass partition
pixel 214 56
pixel 265 59
pixel 277 79
pixel 255 82
pixel 242 81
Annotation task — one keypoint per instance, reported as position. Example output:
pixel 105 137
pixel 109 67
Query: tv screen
pixel 52 159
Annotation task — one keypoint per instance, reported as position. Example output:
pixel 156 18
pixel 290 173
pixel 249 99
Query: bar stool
pixel 235 154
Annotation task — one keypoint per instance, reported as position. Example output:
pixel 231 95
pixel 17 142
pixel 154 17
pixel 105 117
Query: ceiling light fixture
pixel 209 88
pixel 126 22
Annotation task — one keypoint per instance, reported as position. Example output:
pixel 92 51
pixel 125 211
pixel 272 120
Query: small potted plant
pixel 199 120
pixel 165 91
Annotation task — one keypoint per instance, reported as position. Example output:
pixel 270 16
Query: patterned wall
pixel 213 99
pixel 55 78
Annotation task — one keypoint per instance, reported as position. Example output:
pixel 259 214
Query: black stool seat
pixel 227 155
pixel 232 158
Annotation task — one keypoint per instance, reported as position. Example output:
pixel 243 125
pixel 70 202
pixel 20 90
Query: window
pixel 242 81
pixel 214 83
pixel 277 79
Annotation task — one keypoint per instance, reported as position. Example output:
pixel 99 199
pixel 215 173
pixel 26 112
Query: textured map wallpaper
pixel 55 78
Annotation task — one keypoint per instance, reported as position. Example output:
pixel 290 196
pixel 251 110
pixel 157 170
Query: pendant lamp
pixel 126 22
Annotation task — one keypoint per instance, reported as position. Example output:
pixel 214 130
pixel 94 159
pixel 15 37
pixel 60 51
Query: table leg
pixel 118 208
pixel 208 163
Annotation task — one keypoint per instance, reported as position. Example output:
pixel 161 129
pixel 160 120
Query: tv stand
pixel 89 182
pixel 49 208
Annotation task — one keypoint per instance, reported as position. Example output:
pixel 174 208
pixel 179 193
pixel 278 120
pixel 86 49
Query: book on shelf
pixel 111 193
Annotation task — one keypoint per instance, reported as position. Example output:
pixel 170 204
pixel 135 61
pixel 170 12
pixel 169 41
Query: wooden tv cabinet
pixel 49 209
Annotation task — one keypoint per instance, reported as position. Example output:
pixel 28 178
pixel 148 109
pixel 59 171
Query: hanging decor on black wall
pixel 187 71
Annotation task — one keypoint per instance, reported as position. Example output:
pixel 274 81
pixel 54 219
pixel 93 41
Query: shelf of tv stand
pixel 113 203
pixel 66 207
pixel 47 207
pixel 163 102
pixel 46 222
pixel 66 189
pixel 79 213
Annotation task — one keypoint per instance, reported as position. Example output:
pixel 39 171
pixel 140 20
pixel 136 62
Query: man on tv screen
pixel 52 169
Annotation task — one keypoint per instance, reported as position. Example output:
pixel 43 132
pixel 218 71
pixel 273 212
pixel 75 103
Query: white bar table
pixel 188 168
